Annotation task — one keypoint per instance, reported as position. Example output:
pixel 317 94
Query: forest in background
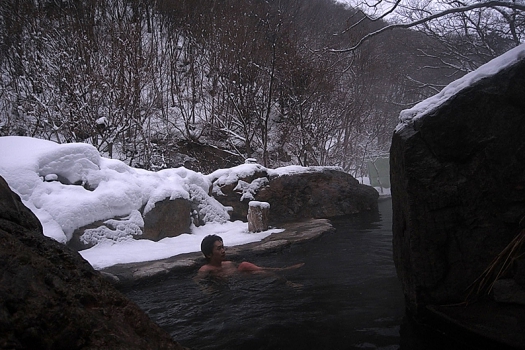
pixel 260 79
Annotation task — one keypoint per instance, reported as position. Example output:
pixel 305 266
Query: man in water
pixel 212 247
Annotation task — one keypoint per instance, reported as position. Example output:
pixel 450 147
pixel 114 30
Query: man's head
pixel 207 245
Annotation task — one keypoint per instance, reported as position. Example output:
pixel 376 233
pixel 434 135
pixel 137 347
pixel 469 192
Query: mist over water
pixel 346 296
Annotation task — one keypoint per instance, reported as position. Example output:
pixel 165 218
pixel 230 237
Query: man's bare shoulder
pixel 207 268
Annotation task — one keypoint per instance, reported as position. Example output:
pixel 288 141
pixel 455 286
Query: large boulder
pixel 325 193
pixel 51 298
pixel 169 218
pixel 321 194
pixel 458 189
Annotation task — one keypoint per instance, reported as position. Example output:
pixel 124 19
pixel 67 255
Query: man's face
pixel 218 252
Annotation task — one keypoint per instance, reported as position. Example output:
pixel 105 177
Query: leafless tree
pixel 488 28
pixel 133 77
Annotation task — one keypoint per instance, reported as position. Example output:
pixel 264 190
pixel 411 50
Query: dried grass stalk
pixel 498 268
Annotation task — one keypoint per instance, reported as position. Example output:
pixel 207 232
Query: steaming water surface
pixel 346 296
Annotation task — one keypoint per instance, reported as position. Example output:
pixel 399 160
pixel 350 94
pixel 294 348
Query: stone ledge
pixel 484 324
pixel 294 233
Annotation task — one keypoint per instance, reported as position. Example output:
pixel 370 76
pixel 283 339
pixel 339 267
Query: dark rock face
pixel 203 158
pixel 458 188
pixel 317 195
pixel 169 218
pixel 322 194
pixel 51 298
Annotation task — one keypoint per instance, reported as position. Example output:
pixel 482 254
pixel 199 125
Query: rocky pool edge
pixel 123 275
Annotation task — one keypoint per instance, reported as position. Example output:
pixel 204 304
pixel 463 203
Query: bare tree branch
pixel 488 4
pixel 366 17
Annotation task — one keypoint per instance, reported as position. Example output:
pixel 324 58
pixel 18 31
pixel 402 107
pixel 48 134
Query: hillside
pixel 149 82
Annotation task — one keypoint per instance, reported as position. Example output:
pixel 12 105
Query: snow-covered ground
pixel 68 186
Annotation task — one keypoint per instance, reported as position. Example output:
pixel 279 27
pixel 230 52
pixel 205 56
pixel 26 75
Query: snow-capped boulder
pixel 325 193
pixel 458 181
pixel 294 194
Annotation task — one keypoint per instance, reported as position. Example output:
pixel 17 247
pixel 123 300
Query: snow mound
pixel 68 186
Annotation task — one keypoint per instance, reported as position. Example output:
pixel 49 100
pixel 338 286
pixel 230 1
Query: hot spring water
pixel 346 296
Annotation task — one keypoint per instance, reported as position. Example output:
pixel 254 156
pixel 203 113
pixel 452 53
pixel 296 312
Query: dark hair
pixel 207 244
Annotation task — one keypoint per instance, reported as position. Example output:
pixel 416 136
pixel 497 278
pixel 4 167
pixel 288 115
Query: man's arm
pixel 249 267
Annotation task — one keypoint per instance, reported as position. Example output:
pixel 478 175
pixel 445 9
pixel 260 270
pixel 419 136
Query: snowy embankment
pixel 69 186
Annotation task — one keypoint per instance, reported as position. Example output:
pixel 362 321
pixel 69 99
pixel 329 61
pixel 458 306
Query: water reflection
pixel 346 296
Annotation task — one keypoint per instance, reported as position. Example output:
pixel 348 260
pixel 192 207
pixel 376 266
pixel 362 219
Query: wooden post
pixel 258 213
